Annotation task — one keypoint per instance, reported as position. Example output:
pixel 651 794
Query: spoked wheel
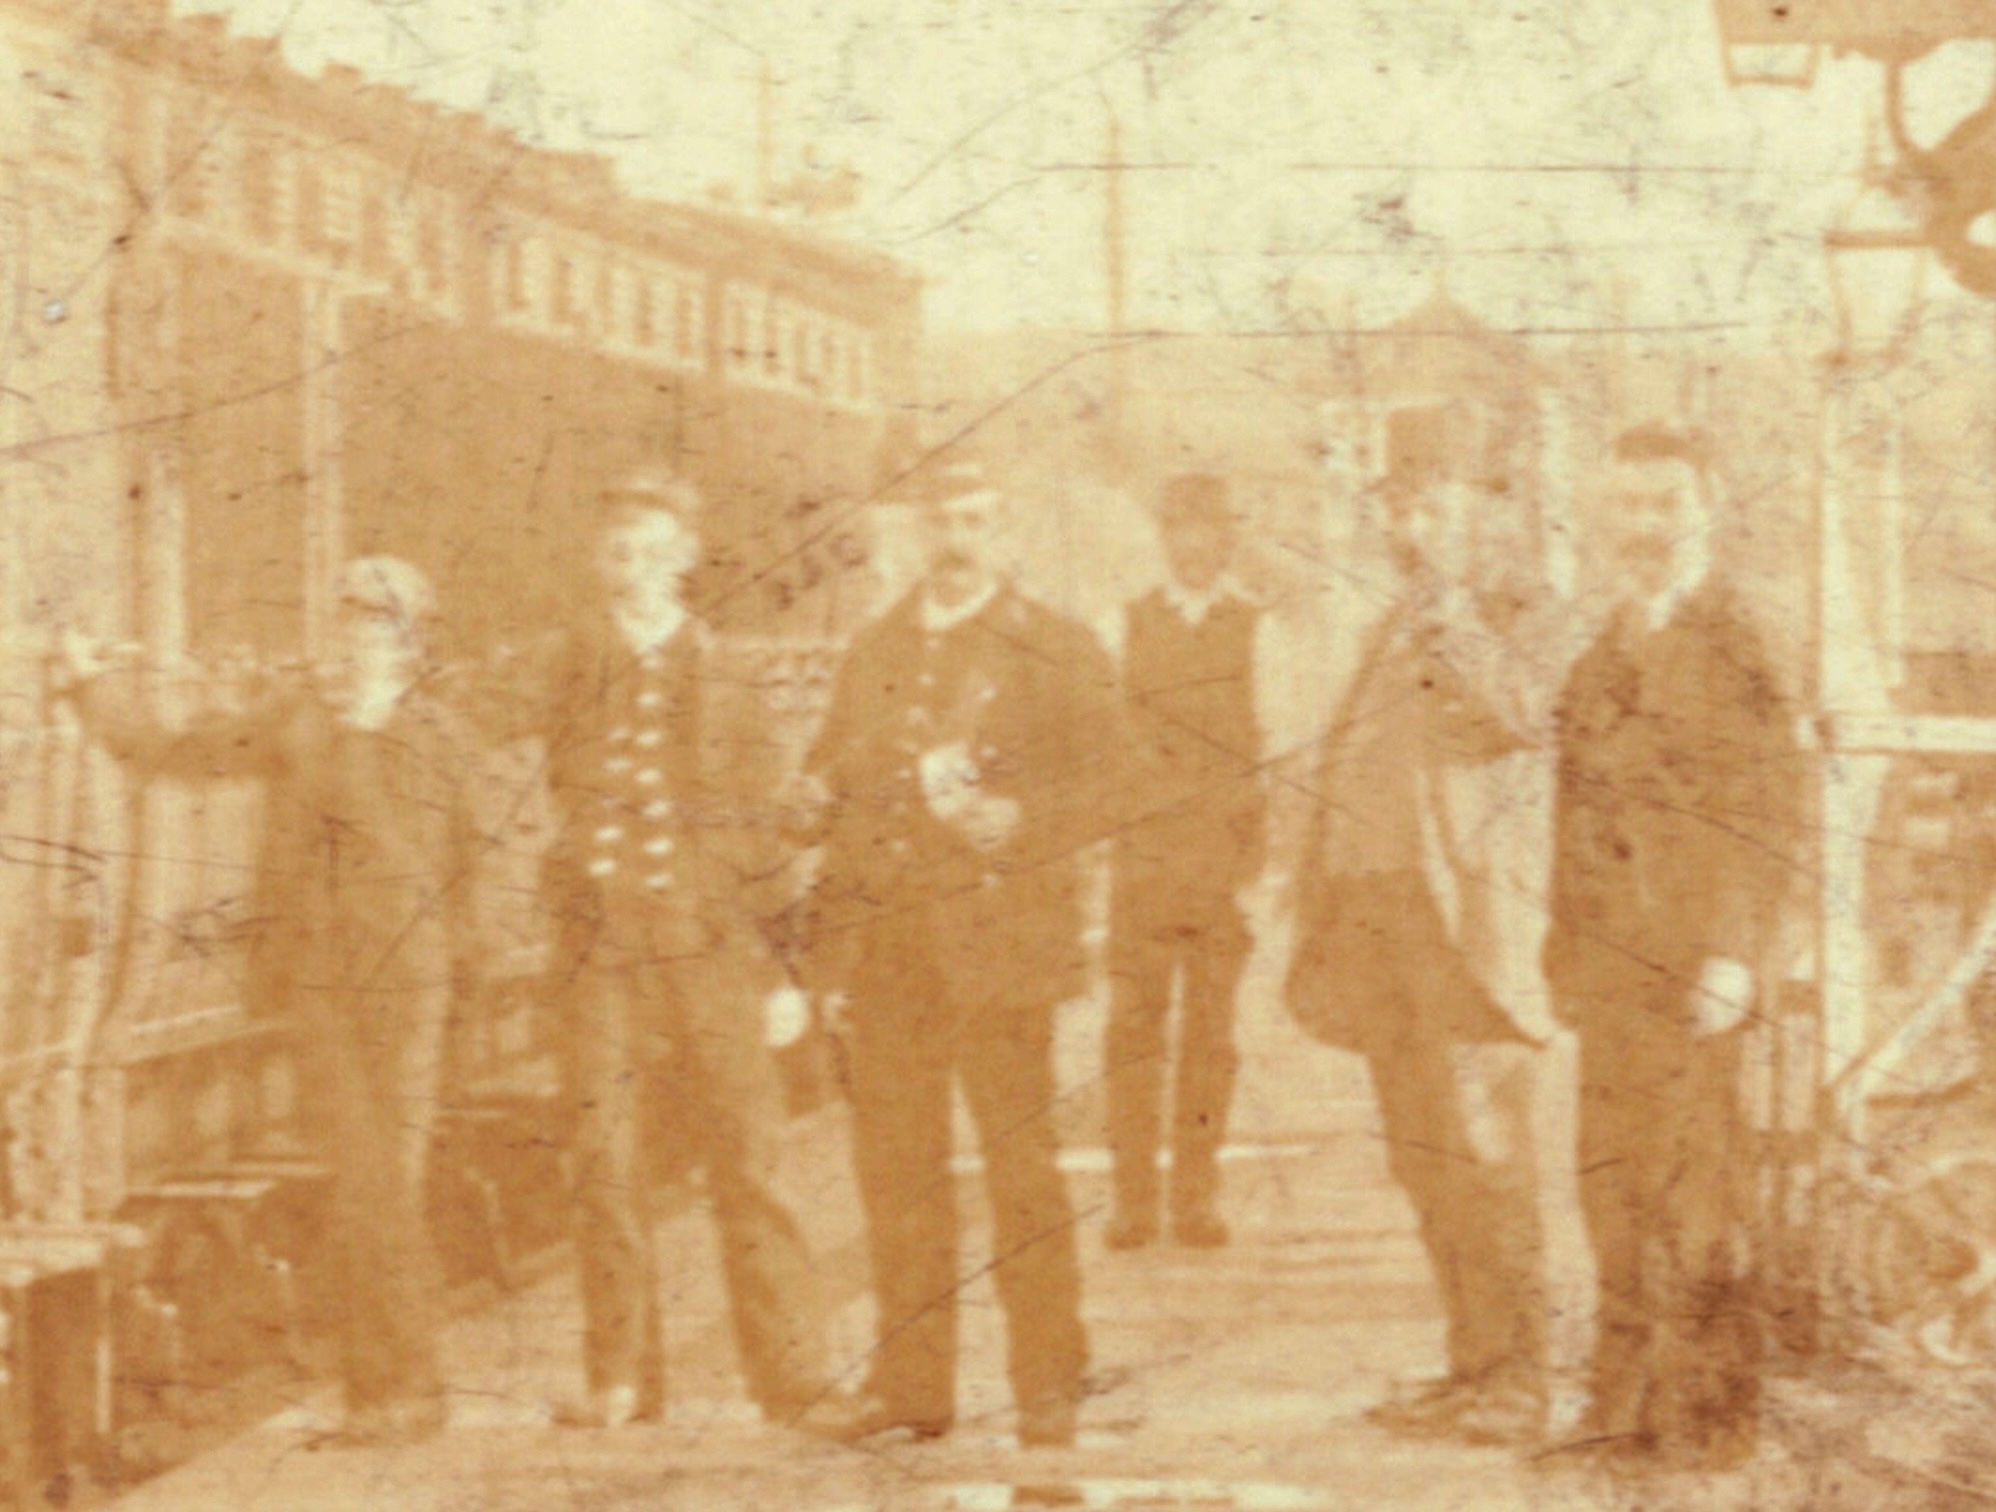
pixel 1930 1263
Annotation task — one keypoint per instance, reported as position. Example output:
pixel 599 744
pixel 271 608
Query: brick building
pixel 258 322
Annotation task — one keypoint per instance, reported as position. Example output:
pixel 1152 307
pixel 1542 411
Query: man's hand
pixel 84 659
pixel 786 1016
pixel 1722 998
pixel 81 661
pixel 949 779
pixel 951 788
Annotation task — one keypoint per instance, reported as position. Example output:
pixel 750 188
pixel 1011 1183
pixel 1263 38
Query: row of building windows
pixel 558 284
pixel 773 342
pixel 338 210
pixel 329 207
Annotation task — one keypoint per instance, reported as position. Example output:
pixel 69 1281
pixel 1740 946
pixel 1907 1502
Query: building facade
pixel 261 322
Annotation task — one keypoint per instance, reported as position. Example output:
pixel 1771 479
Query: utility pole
pixel 1114 258
pixel 765 136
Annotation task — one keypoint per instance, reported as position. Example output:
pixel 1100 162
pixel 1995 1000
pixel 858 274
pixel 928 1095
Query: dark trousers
pixel 1457 1117
pixel 1475 1195
pixel 911 1039
pixel 1159 939
pixel 1661 1162
pixel 665 1049
pixel 380 1051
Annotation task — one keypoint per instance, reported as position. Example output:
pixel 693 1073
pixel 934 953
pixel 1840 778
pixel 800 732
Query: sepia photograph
pixel 957 755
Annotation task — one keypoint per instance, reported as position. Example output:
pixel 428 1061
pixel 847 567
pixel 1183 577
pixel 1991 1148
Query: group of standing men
pixel 955 810
pixel 1477 782
pixel 1527 826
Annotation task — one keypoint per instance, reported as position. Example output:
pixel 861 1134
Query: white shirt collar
pixel 647 635
pixel 939 620
pixel 1193 605
pixel 373 704
pixel 1656 612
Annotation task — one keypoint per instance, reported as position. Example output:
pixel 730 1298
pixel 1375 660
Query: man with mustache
pixel 963 757
pixel 1676 816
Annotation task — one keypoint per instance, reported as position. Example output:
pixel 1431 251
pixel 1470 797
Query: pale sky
pixel 1570 162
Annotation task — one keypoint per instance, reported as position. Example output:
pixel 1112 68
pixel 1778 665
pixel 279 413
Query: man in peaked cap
pixel 1188 650
pixel 1420 909
pixel 964 754
pixel 665 974
pixel 363 863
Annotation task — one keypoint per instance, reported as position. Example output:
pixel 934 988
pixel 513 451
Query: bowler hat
pixel 1661 441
